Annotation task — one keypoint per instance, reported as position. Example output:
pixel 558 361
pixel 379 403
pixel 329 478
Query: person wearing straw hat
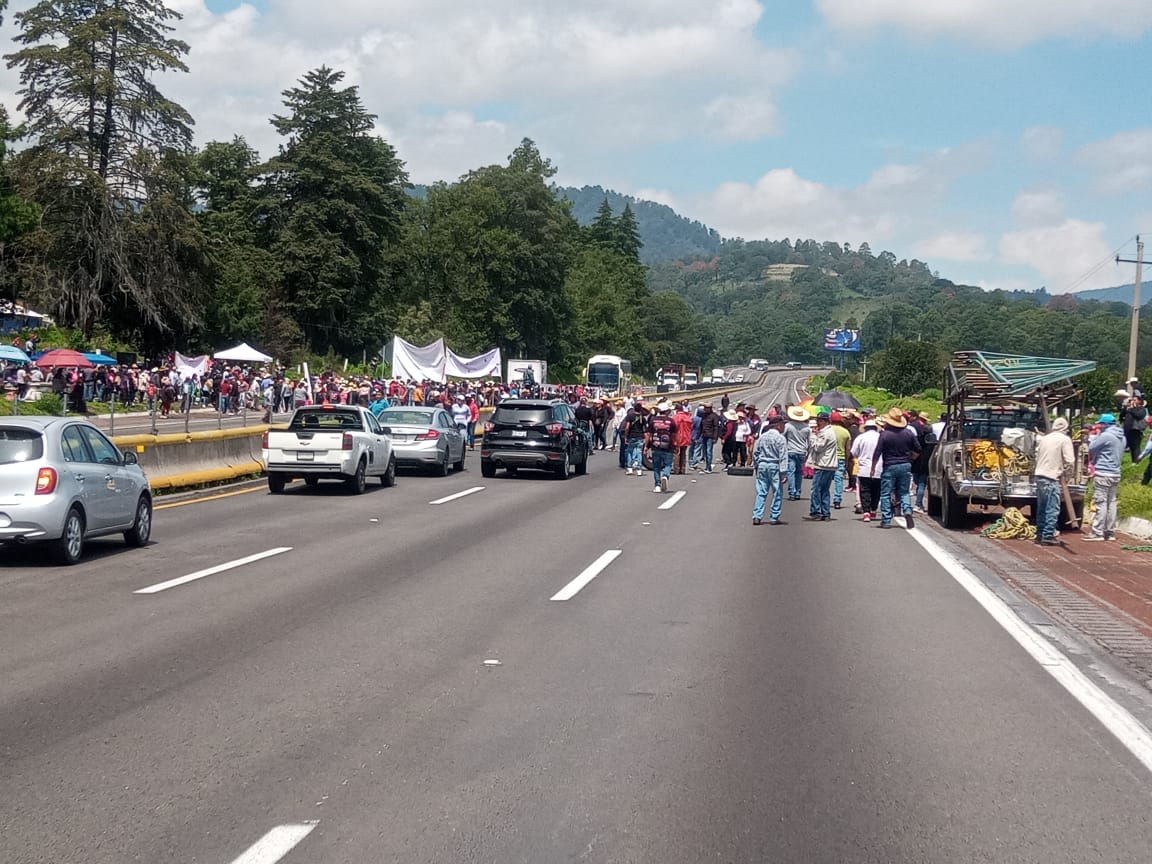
pixel 797 434
pixel 823 459
pixel 770 461
pixel 897 449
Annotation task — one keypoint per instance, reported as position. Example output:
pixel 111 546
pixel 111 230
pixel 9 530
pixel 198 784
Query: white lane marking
pixel 1115 718
pixel 590 572
pixel 673 501
pixel 275 844
pixel 211 571
pixel 448 498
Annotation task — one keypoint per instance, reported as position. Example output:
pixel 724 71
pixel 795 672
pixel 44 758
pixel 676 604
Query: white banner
pixel 412 362
pixel 189 366
pixel 486 365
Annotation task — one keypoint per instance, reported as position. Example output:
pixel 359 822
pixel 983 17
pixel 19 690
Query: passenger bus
pixel 610 373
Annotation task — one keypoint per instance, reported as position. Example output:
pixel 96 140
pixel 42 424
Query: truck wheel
pixel 933 505
pixel 487 469
pixel 953 509
pixel 276 483
pixel 356 482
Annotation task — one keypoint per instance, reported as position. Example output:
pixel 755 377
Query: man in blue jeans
pixel 709 432
pixel 770 459
pixel 658 440
pixel 1054 460
pixel 822 457
pixel 796 435
pixel 898 447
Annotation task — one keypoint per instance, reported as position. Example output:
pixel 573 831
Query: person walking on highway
pixel 634 423
pixel 843 442
pixel 897 448
pixel 822 457
pixel 868 468
pixel 658 438
pixel 796 433
pixel 1054 461
pixel 1106 450
pixel 710 423
pixel 770 461
pixel 682 439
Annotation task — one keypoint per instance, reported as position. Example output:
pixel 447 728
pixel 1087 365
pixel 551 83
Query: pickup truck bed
pixel 325 441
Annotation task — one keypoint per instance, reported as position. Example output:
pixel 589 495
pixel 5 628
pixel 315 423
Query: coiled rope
pixel 1011 526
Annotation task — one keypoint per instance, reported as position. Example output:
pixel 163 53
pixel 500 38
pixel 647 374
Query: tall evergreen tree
pixel 602 231
pixel 105 139
pixel 335 201
pixel 628 242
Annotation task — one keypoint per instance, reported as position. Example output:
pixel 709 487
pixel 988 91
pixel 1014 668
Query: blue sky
pixel 1005 144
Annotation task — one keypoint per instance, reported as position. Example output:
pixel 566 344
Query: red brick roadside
pixel 1118 580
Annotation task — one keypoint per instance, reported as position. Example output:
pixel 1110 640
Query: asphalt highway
pixel 536 671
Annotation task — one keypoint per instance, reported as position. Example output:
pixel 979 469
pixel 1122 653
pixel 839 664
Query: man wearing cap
pixel 822 458
pixel 796 433
pixel 897 448
pixel 1106 450
pixel 770 461
pixel 658 438
pixel 1054 460
pixel 634 423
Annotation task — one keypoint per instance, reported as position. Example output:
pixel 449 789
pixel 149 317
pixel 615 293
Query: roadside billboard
pixel 842 340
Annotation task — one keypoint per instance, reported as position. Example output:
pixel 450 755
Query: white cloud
pixel 1070 256
pixel 953 246
pixel 995 22
pixel 1038 207
pixel 1122 163
pixel 1042 143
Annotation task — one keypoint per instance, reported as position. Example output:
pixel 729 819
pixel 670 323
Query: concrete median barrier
pixel 177 461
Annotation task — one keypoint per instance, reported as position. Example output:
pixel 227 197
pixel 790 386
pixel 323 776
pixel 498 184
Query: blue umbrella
pixel 11 352
pixel 100 359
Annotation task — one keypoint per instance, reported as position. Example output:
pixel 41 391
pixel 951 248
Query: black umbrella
pixel 836 399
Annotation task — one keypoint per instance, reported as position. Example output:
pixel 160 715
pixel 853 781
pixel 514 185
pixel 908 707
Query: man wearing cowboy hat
pixel 658 440
pixel 710 423
pixel 796 433
pixel 897 449
pixel 822 457
pixel 770 460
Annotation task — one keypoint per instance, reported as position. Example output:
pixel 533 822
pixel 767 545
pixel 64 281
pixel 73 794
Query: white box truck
pixel 518 370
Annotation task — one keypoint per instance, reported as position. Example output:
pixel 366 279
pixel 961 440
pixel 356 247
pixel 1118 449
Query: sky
pixel 1005 144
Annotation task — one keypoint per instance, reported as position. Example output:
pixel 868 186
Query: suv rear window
pixel 20 445
pixel 522 414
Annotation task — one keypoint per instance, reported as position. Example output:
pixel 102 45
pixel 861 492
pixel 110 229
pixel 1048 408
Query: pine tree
pixel 335 201
pixel 628 242
pixel 602 231
pixel 105 140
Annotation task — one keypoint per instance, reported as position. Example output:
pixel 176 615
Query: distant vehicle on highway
pixel 739 379
pixel 793 364
pixel 340 442
pixel 425 438
pixel 534 433
pixel 718 376
pixel 62 482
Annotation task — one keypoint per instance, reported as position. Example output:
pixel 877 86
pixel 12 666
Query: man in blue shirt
pixel 1106 451
pixel 770 459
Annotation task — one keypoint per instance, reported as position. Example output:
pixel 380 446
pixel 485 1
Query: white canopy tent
pixel 243 353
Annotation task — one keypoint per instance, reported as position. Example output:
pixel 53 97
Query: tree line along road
pixel 536 670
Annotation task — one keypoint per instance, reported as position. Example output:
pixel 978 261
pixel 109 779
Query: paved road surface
pixel 806 693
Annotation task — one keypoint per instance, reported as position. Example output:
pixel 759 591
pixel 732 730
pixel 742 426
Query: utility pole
pixel 1134 335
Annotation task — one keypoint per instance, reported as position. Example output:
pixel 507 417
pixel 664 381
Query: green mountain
pixel 1116 294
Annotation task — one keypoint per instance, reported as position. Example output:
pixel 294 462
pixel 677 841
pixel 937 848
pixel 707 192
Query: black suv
pixel 534 433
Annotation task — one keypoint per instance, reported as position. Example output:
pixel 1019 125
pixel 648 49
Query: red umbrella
pixel 63 357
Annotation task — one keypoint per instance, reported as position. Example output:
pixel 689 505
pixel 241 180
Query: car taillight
pixel 347 441
pixel 430 435
pixel 46 481
pixel 264 440
pixel 489 427
pixel 555 428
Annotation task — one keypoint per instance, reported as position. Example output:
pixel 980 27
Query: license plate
pixel 305 457
pixel 519 433
pixel 401 439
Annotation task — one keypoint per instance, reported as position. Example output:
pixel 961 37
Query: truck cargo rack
pixel 982 375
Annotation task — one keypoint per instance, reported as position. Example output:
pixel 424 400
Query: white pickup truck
pixel 342 442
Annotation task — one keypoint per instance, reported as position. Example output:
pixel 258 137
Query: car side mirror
pixel 130 458
pixel 387 430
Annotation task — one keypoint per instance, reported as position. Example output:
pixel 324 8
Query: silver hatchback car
pixel 62 481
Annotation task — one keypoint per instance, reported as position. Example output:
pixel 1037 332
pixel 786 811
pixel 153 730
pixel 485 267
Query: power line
pixel 1096 268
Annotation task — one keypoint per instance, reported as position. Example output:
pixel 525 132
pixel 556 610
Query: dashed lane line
pixel 463 494
pixel 590 572
pixel 211 571
pixel 673 501
pixel 275 844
